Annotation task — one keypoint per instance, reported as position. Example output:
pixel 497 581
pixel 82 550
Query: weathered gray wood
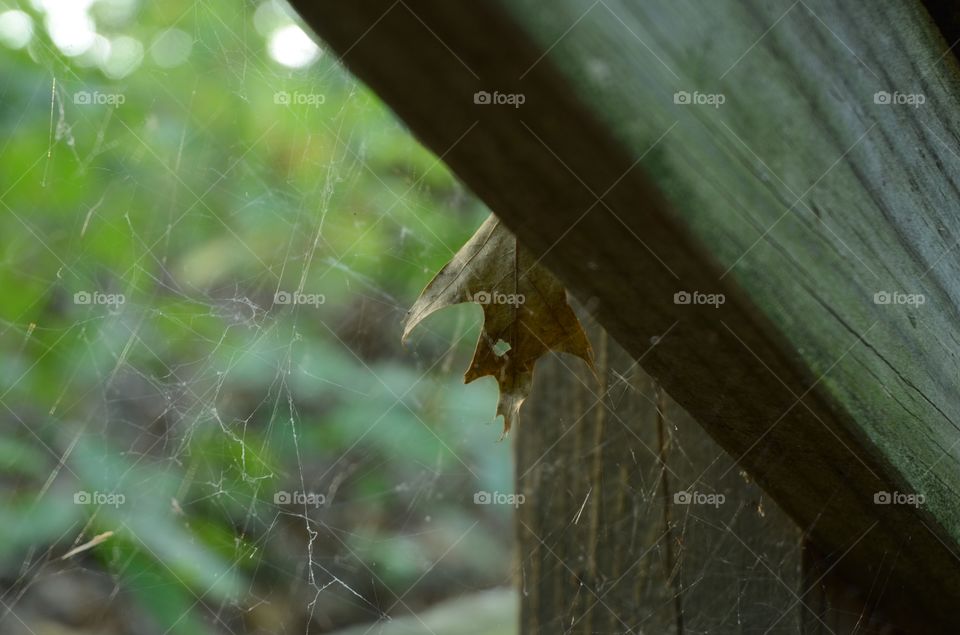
pixel 600 528
pixel 799 199
pixel 595 553
pixel 604 547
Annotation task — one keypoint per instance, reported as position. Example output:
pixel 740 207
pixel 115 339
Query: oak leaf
pixel 525 312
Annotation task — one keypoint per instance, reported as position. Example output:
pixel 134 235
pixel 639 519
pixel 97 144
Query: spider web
pixel 212 427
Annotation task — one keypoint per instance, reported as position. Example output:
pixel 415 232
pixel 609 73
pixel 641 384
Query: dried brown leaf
pixel 525 312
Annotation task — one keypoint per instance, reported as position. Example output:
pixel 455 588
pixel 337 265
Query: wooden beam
pixel 633 520
pixel 782 183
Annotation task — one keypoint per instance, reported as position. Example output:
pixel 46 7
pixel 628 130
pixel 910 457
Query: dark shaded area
pixel 946 15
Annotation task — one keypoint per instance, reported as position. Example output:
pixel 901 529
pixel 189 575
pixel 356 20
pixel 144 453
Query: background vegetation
pixel 195 160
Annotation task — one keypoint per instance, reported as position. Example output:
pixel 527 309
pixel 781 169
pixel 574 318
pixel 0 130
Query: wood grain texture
pixel 799 198
pixel 605 546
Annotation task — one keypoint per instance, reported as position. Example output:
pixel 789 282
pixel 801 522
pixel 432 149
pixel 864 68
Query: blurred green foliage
pixel 196 192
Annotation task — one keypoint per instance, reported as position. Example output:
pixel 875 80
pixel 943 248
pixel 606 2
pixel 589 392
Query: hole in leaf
pixel 500 348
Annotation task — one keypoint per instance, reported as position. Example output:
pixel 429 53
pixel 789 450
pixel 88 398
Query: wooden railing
pixel 796 160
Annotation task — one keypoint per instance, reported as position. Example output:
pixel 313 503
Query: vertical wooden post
pixel 636 521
